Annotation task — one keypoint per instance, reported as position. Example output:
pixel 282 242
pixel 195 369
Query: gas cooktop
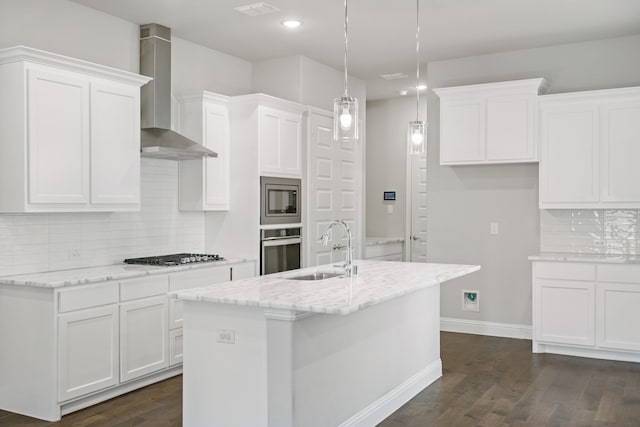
pixel 175 259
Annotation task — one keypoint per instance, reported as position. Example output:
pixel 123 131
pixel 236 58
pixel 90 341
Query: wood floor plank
pixel 487 381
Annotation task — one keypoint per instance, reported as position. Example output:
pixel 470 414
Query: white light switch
pixel 389 209
pixel 493 228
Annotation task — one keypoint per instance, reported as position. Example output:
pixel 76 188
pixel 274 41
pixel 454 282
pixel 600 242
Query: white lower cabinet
pixel 91 342
pixel 391 251
pixel 175 346
pixel 144 329
pixel 564 312
pixel 618 308
pixel 87 351
pixel 587 309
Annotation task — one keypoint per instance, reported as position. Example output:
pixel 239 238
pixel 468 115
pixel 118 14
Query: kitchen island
pixel 278 351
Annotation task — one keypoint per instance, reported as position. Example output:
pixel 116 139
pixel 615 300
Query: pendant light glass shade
pixel 416 133
pixel 345 119
pixel 345 107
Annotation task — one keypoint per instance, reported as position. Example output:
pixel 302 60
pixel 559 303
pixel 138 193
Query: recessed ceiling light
pixel 422 87
pixel 291 23
pixel 404 92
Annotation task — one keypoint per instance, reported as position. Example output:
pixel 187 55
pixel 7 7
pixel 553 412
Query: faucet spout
pixel 349 268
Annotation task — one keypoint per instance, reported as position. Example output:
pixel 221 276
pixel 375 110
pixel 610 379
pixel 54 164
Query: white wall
pixel 387 122
pixel 195 68
pixel 279 77
pixel 70 29
pixel 463 200
pixel 305 81
pixel 30 243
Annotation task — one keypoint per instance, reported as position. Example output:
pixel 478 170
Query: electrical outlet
pixel 493 228
pixel 227 336
pixel 74 253
pixel 470 300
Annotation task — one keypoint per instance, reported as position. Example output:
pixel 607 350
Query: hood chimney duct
pixel 157 138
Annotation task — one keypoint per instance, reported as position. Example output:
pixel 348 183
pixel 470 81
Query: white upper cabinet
pixel 204 183
pixel 589 149
pixel 280 142
pixel 489 123
pixel 70 134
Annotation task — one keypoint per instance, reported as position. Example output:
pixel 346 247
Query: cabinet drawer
pixel 86 297
pixel 143 287
pixel 383 250
pixel 619 273
pixel 564 270
pixel 199 277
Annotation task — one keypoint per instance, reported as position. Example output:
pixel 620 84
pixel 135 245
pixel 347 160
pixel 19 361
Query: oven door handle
pixel 281 241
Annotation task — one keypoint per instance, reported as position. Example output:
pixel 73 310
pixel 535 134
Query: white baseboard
pixel 380 409
pixel 479 327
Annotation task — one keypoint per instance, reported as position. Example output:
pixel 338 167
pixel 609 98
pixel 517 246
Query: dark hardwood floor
pixel 487 381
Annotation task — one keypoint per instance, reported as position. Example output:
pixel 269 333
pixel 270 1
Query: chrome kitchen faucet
pixel 349 269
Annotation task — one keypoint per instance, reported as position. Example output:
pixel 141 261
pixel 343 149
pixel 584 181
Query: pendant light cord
pixel 346 42
pixel 417 60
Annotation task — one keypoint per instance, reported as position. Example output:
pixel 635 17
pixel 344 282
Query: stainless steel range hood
pixel 157 138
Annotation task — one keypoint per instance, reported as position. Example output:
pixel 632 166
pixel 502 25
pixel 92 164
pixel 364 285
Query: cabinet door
pixel 620 153
pixel 569 174
pixel 216 138
pixel 144 329
pixel 462 131
pixel 280 143
pixel 290 149
pixel 511 128
pixel 115 144
pixel 175 346
pixel 243 270
pixel 58 141
pixel 563 312
pixel 87 351
pixel 618 316
pixel 269 141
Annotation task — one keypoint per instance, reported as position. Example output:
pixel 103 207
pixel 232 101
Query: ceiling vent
pixel 394 76
pixel 257 9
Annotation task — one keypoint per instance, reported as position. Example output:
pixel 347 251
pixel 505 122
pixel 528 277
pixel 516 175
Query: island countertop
pixel 376 282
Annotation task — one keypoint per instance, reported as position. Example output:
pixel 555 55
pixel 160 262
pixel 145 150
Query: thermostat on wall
pixel 389 195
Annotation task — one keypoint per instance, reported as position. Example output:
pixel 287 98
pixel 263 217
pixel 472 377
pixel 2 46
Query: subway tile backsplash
pixel 32 243
pixel 599 231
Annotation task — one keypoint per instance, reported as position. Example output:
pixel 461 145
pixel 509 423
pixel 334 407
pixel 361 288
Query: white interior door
pixel 331 192
pixel 417 245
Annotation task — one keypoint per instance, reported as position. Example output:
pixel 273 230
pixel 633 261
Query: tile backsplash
pixel 39 242
pixel 599 231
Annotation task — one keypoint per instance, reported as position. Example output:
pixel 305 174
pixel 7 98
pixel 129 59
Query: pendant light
pixel 345 108
pixel 416 131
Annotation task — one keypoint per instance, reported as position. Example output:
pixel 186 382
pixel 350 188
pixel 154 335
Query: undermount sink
pixel 316 276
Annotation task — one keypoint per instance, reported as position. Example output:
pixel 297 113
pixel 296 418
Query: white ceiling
pixel 382 32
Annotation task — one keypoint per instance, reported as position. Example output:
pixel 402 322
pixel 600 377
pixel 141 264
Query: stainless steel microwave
pixel 280 200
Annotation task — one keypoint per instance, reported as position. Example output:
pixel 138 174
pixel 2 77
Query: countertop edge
pixel 32 279
pixel 585 258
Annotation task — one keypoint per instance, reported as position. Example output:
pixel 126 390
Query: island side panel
pixel 224 384
pixel 359 368
pixel 28 357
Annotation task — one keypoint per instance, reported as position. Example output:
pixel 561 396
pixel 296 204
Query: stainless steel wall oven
pixel 280 250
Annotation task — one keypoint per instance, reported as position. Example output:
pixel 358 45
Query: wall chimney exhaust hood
pixel 157 138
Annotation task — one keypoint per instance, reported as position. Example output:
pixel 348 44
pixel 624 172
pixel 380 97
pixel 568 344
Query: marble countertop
pixel 372 241
pixel 81 276
pixel 376 282
pixel 566 257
